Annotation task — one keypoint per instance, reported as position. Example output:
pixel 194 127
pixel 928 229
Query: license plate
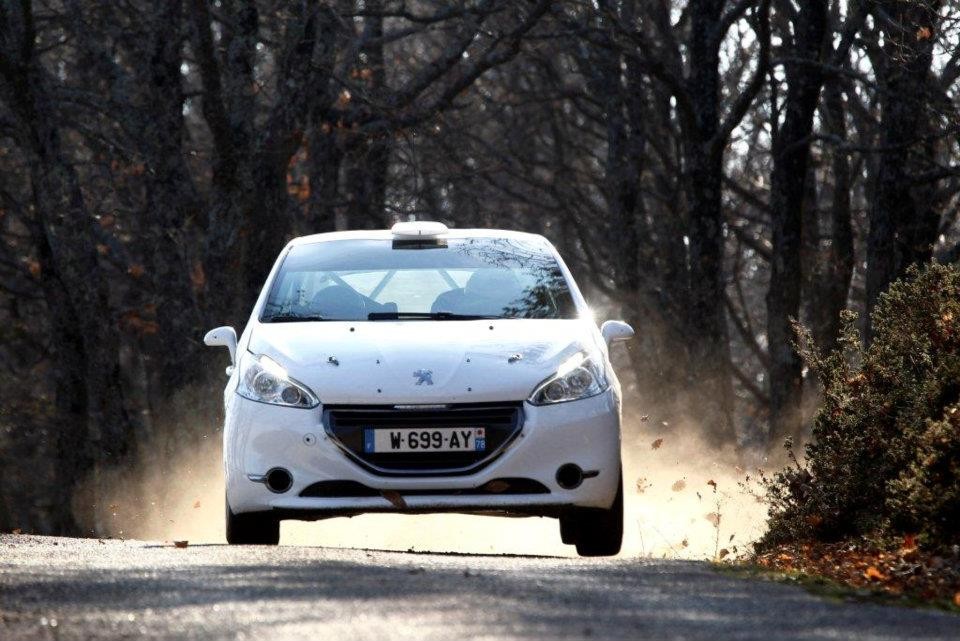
pixel 436 439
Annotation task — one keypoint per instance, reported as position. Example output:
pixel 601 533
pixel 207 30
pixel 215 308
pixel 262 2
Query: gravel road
pixel 56 588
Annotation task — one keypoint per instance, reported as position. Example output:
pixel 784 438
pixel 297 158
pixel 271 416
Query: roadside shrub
pixel 886 447
pixel 926 496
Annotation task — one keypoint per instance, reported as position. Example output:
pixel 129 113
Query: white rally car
pixel 423 369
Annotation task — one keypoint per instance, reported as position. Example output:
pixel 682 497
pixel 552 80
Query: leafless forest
pixel 710 169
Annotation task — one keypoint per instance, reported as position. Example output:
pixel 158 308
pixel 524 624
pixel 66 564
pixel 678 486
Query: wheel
pixel 252 529
pixel 595 532
pixel 568 529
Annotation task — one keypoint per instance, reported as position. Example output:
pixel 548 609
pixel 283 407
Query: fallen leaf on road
pixel 874 574
pixel 712 484
pixel 657 443
pixel 181 544
pixel 678 486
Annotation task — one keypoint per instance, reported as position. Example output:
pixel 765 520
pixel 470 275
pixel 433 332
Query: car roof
pixel 386 234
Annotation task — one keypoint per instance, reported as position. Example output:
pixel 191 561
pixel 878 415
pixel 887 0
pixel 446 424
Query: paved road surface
pixel 54 588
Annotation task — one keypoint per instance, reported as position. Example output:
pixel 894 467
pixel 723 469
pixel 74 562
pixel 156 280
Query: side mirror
pixel 223 337
pixel 616 331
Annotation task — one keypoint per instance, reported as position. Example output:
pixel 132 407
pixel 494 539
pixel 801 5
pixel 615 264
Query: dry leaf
pixel 181 544
pixel 874 574
pixel 712 484
pixel 924 33
pixel 684 543
pixel 197 276
pixel 814 520
pixel 33 267
pixel 713 518
pixel 657 443
pixel 723 552
pixel 136 270
pixel 395 499
pixel 678 486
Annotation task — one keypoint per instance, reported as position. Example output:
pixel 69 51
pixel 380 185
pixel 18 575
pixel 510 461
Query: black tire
pixel 595 532
pixel 252 529
pixel 568 529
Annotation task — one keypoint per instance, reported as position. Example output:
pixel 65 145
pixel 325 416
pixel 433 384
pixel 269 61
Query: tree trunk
pixel 833 277
pixel 899 226
pixel 706 327
pixel 791 151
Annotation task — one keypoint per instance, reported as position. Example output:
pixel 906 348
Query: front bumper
pixel 258 437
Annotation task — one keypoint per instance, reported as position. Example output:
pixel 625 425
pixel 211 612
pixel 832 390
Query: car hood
pixel 387 362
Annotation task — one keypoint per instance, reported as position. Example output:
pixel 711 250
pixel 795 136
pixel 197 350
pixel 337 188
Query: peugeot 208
pixel 422 369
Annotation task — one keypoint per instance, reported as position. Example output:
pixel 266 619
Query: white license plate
pixel 434 439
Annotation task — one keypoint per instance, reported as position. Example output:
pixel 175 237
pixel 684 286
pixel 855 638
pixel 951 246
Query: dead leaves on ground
pixel 898 567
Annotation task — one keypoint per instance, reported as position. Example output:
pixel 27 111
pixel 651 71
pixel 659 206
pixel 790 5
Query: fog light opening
pixel 569 476
pixel 279 480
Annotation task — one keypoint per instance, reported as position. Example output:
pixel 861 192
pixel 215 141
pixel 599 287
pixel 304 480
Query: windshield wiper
pixel 440 316
pixel 293 318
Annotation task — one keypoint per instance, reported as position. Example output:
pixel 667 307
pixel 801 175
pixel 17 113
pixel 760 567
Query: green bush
pixel 885 453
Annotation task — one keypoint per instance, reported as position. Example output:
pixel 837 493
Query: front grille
pixel 345 424
pixel 353 489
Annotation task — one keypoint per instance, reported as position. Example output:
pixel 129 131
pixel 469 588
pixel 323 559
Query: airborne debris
pixel 395 499
pixel 643 485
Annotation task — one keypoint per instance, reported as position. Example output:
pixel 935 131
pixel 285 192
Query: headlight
pixel 578 377
pixel 263 379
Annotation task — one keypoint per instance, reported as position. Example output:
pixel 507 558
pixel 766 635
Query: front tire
pixel 252 529
pixel 595 532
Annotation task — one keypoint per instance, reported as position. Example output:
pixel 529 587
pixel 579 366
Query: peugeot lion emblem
pixel 423 376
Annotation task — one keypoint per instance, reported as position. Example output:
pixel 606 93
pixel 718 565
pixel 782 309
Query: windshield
pixel 455 279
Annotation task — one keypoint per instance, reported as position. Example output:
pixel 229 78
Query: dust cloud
pixel 682 500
